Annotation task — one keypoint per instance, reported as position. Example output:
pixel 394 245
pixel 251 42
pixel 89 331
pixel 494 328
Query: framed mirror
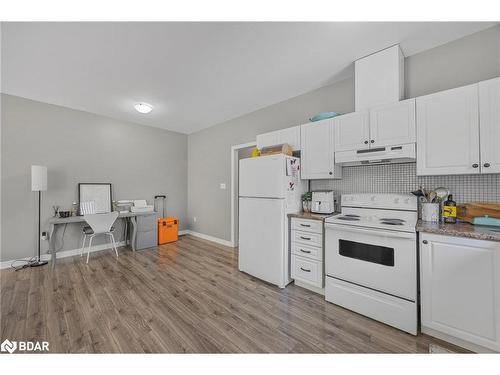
pixel 99 193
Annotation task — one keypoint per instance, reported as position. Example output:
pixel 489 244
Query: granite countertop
pixel 312 216
pixel 460 229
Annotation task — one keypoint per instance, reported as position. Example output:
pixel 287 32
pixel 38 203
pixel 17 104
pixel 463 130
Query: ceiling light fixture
pixel 143 107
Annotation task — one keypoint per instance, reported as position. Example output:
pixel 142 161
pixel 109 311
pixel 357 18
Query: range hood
pixel 380 155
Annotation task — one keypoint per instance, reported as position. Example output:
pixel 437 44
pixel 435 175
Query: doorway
pixel 238 152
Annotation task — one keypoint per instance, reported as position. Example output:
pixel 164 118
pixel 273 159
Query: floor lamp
pixel 39 184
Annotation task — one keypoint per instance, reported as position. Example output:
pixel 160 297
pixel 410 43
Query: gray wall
pixel 461 62
pixel 76 147
pixel 467 60
pixel 209 151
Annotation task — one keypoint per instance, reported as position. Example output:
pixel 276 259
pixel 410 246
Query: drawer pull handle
pixel 303 269
pixel 305 225
pixel 305 251
pixel 305 238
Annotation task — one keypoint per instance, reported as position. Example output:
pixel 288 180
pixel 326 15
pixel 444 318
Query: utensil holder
pixel 430 212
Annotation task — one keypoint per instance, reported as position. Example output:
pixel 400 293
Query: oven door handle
pixel 386 233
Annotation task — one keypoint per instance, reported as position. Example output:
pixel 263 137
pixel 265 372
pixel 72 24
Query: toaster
pixel 323 202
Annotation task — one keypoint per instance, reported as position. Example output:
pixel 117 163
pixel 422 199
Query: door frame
pixel 234 194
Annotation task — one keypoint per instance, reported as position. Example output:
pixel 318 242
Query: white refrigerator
pixel 269 188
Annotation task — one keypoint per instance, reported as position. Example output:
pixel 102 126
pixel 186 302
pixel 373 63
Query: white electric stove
pixel 371 258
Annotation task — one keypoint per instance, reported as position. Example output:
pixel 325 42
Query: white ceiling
pixel 195 74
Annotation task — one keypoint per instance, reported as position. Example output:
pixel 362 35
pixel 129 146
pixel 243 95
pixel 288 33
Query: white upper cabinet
pixel 448 132
pixel 386 125
pixel 379 78
pixel 393 124
pixel 489 125
pixel 318 151
pixel 288 135
pixel 352 131
pixel 460 289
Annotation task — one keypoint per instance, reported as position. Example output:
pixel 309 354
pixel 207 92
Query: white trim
pixel 233 156
pixel 62 254
pixel 456 341
pixel 220 241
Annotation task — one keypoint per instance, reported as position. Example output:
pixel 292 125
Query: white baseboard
pixel 61 254
pixel 220 241
pixel 73 252
pixel 456 341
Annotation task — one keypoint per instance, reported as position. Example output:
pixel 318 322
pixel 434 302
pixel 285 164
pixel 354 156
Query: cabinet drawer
pixel 305 225
pixel 307 251
pixel 307 270
pixel 314 239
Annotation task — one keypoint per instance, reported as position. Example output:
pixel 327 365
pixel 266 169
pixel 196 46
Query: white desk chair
pixel 101 224
pixel 86 208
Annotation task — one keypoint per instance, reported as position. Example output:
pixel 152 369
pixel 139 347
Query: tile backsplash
pixel 402 178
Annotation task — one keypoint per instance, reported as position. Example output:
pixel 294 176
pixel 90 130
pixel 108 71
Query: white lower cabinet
pixel 306 247
pixel 307 270
pixel 460 290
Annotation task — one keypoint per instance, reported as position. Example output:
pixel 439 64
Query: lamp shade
pixel 38 178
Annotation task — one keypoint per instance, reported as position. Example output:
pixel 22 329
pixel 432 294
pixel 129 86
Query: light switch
pixel 223 186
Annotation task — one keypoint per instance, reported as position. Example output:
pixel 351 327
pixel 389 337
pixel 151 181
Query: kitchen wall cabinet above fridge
pixel 288 135
pixel 458 130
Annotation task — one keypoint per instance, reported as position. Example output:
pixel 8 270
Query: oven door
pixel 374 258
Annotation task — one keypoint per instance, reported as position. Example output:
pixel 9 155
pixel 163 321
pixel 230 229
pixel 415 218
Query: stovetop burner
pixel 390 212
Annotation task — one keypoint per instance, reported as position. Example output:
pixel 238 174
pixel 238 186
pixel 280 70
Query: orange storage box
pixel 168 230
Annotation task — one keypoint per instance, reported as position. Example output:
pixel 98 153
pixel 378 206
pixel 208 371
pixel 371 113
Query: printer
pixel 324 202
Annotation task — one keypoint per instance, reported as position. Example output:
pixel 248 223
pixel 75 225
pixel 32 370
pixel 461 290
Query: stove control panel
pixel 405 202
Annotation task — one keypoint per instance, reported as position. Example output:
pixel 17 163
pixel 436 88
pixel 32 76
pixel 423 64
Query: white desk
pixel 56 222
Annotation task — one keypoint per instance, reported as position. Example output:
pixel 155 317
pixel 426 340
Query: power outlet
pixel 194 219
pixel 223 186
pixel 44 236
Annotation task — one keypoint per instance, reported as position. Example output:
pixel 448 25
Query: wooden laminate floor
pixel 182 297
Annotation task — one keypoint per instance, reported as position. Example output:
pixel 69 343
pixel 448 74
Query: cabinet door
pixel 317 151
pixel 267 139
pixel 460 288
pixel 393 124
pixel 489 125
pixel 448 132
pixel 352 131
pixel 288 135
